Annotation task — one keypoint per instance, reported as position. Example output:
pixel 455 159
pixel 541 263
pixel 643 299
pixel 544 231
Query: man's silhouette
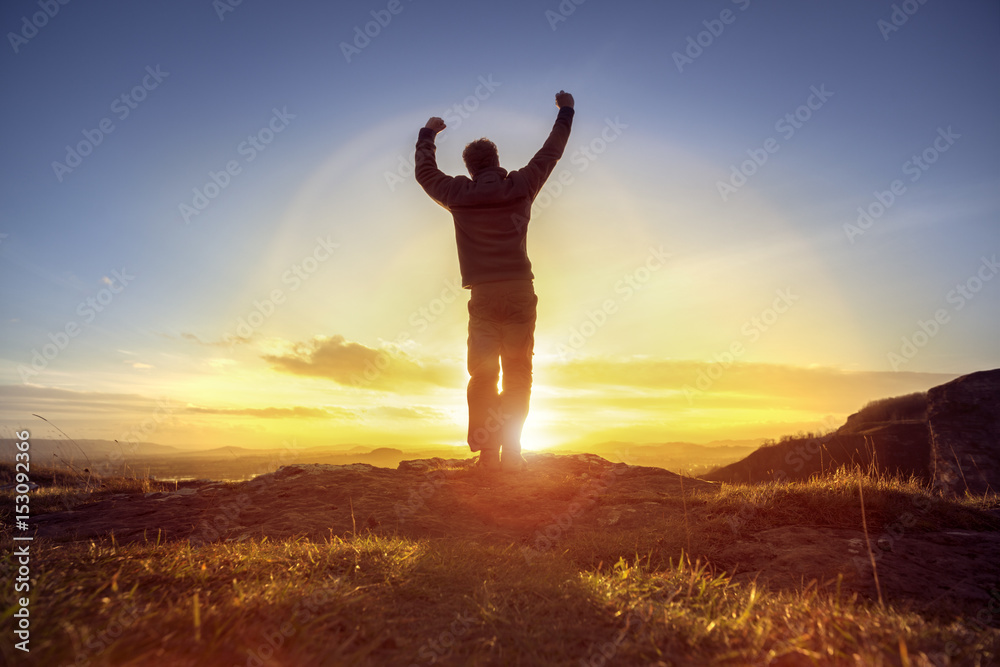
pixel 491 212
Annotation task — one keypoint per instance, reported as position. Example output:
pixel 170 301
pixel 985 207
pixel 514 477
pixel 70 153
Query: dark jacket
pixel 491 210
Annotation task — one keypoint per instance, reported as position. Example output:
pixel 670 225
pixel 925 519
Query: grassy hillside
pixel 374 599
pixel 890 433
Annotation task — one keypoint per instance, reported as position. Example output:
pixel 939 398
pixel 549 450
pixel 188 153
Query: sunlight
pixel 539 431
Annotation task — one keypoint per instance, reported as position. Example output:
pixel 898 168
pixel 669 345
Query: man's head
pixel 479 155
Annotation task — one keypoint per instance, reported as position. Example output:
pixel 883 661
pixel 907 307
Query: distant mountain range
pixel 675 456
pixel 108 457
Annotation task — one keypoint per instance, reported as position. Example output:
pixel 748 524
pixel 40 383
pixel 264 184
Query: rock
pixel 964 421
pixel 434 463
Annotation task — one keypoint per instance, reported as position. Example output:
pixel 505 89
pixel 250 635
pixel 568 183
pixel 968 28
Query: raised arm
pixel 435 182
pixel 544 161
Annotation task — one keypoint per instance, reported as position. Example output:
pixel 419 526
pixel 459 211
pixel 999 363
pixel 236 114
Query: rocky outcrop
pixel 964 423
pixel 424 498
pixel 949 437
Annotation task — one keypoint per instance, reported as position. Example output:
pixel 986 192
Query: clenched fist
pixel 564 99
pixel 435 124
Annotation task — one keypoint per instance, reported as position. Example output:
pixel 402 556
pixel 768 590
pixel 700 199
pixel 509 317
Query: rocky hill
pixel 949 437
pixel 963 419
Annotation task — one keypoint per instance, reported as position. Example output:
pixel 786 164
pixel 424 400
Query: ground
pixel 561 500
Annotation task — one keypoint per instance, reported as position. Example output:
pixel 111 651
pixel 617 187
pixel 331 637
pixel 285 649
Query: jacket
pixel 491 210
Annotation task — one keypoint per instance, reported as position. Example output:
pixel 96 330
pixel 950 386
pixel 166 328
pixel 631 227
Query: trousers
pixel 501 337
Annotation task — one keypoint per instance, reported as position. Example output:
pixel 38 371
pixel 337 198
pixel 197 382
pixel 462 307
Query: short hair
pixel 479 155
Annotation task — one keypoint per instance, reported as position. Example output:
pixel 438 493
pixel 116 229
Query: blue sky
pixel 654 136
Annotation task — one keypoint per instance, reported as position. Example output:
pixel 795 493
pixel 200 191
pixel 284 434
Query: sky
pixel 767 215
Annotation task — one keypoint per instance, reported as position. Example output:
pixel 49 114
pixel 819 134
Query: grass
pixel 368 599
pixel 897 408
pixel 61 488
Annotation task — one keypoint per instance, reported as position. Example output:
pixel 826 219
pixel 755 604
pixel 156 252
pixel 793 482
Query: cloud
pixel 736 385
pixel 228 341
pixel 353 364
pixel 20 401
pixel 276 413
pixel 393 412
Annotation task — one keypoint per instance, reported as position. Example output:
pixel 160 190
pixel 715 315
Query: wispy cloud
pixel 738 384
pixel 20 401
pixel 227 341
pixel 394 412
pixel 276 413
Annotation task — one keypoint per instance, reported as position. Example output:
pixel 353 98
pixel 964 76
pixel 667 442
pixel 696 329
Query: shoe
pixel 513 462
pixel 489 460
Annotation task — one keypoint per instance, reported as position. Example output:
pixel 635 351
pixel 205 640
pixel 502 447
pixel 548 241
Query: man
pixel 491 212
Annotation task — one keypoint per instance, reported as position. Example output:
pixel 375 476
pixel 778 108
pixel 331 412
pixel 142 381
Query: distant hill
pixel 949 435
pixel 79 450
pixel 678 456
pixel 165 462
pixel 107 457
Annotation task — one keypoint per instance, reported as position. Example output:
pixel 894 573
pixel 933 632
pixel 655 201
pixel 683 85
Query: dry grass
pixel 382 600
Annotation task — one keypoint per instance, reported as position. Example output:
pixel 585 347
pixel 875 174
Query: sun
pixel 540 431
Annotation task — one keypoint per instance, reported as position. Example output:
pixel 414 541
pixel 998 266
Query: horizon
pixel 753 232
pixel 350 446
